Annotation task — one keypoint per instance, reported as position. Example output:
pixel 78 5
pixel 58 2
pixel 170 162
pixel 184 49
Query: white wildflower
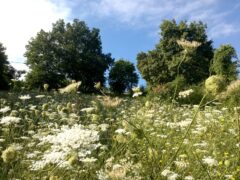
pixel 120 131
pixel 65 141
pixel 9 120
pixel 188 44
pixel 184 94
pixel 169 174
pixel 181 164
pixel 166 172
pixel 173 176
pixel 184 123
pixel 40 96
pixel 88 160
pixel 88 110
pixel 210 161
pixel 25 97
pixel 136 94
pixel 202 144
pixel 102 175
pixel 5 109
pixel 103 127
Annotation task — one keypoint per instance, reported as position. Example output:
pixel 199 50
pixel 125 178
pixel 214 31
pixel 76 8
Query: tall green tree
pixel 161 65
pixel 6 70
pixel 122 76
pixel 43 62
pixel 69 51
pixel 225 62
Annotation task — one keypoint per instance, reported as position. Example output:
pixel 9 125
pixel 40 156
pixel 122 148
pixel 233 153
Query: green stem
pixel 178 71
pixel 185 135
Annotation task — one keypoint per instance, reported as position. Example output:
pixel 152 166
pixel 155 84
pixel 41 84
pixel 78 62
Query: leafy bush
pixel 176 85
pixel 17 86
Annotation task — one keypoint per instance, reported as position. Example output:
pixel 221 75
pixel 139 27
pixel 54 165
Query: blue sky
pixel 127 26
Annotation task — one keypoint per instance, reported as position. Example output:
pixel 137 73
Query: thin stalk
pixel 198 159
pixel 178 71
pixel 185 135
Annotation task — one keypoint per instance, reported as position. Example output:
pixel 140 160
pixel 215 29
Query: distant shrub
pixel 215 84
pixel 171 89
pixel 177 85
pixel 17 85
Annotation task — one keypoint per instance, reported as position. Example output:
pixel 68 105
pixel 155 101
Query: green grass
pixel 76 136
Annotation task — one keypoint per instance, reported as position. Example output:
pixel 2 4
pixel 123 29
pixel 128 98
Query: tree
pixel 6 70
pixel 122 76
pixel 161 65
pixel 68 52
pixel 225 62
pixel 43 62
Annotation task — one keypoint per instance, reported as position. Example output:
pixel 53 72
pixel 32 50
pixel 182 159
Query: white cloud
pixel 223 29
pixel 21 20
pixel 150 13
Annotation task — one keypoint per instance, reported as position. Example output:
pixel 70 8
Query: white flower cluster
pixel 88 110
pixel 169 174
pixel 70 139
pixel 184 94
pixel 136 92
pixel 5 109
pixel 40 96
pixel 210 161
pixel 182 124
pixel 9 120
pixel 24 97
pixel 188 44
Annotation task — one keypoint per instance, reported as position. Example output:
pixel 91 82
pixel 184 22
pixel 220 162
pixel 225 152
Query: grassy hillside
pixel 74 136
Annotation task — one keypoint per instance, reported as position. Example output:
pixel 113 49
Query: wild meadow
pixel 63 121
pixel 79 136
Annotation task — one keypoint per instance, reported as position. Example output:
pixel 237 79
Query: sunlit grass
pixel 53 136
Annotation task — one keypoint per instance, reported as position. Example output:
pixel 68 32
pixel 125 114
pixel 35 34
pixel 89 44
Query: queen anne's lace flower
pixel 9 120
pixel 25 97
pixel 68 139
pixel 210 161
pixel 184 94
pixel 5 109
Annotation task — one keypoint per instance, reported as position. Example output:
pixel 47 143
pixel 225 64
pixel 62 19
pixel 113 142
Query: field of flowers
pixel 74 136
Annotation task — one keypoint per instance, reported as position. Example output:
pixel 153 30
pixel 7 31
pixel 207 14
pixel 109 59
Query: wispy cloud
pixel 21 20
pixel 150 13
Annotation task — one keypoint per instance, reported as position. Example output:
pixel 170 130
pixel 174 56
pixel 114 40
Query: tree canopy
pixel 6 70
pixel 122 76
pixel 70 51
pixel 170 59
pixel 225 62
